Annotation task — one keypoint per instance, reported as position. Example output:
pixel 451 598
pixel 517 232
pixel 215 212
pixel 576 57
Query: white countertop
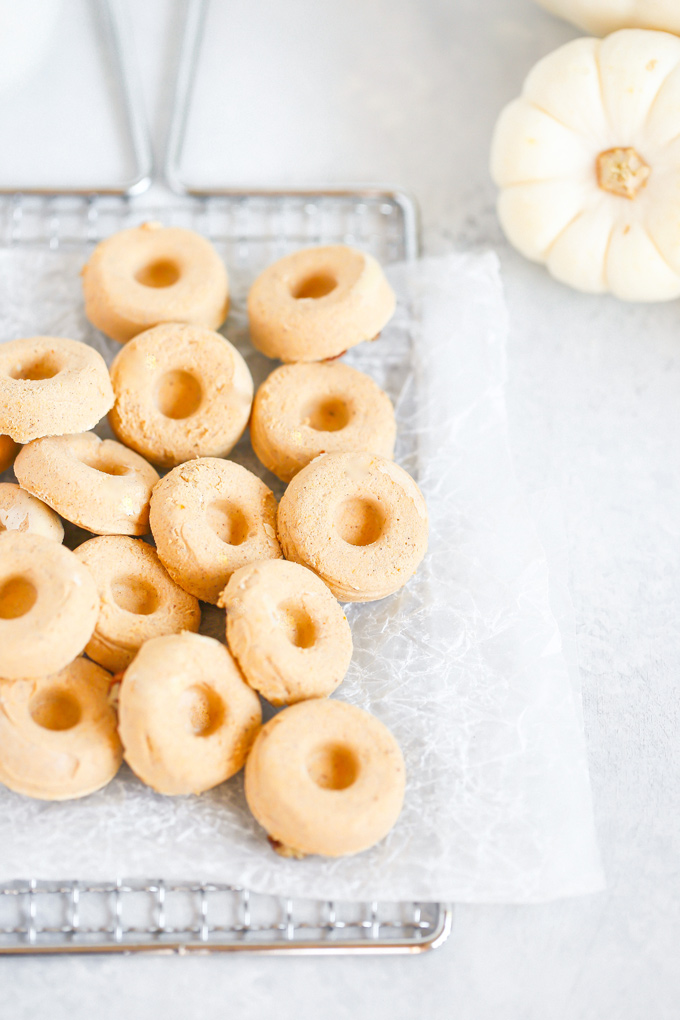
pixel 407 93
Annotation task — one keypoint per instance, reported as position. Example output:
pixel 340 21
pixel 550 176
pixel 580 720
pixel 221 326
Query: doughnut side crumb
pixel 285 851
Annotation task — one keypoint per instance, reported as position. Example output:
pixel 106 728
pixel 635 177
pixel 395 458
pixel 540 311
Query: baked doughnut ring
pixel 209 517
pixel 138 599
pixel 20 511
pixel 8 451
pixel 288 634
pixel 48 605
pixel 58 737
pixel 325 777
pixel 95 483
pixel 150 274
pixel 187 717
pixel 181 392
pixel 51 387
pixel 318 302
pixel 301 411
pixel 358 521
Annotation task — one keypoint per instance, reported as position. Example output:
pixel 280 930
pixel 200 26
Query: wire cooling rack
pixel 383 222
pixel 64 917
pixel 151 914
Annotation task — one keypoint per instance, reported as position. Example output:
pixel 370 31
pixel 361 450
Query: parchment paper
pixel 465 665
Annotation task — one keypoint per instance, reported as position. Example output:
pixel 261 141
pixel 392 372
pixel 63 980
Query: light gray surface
pixel 594 410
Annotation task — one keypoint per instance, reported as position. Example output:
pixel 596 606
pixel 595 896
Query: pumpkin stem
pixel 621 172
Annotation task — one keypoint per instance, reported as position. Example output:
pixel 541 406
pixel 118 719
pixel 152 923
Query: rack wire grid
pixel 152 914
pixel 168 917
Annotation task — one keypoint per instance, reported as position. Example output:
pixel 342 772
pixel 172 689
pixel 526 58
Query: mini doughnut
pixel 95 483
pixel 181 392
pixel 51 387
pixel 8 451
pixel 138 600
pixel 187 717
pixel 325 777
pixel 357 520
pixel 58 736
pixel 20 511
pixel 48 605
pixel 288 634
pixel 318 302
pixel 301 411
pixel 208 518
pixel 150 274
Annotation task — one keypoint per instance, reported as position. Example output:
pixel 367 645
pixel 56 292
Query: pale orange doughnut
pixel 357 520
pixel 8 451
pixel 181 392
pixel 138 600
pixel 318 302
pixel 151 274
pixel 325 777
pixel 301 411
pixel 20 511
pixel 58 737
pixel 187 717
pixel 209 517
pixel 97 484
pixel 287 632
pixel 51 387
pixel 48 605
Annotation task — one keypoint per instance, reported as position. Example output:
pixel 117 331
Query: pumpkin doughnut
pixel 95 483
pixel 150 274
pixel 138 599
pixel 357 520
pixel 20 511
pixel 301 411
pixel 48 605
pixel 181 392
pixel 209 517
pixel 288 634
pixel 318 302
pixel 325 777
pixel 187 718
pixel 51 387
pixel 8 451
pixel 58 736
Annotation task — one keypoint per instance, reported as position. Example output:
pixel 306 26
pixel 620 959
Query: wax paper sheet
pixel 466 665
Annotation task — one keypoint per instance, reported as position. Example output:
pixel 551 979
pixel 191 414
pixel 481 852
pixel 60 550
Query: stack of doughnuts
pixel 100 655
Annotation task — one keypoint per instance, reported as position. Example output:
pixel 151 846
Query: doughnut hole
pixel 55 709
pixel 134 595
pixel 315 286
pixel 330 415
pixel 17 597
pixel 202 710
pixel 297 624
pixel 227 521
pixel 43 366
pixel 178 394
pixel 333 766
pixel 359 521
pixel 107 467
pixel 161 273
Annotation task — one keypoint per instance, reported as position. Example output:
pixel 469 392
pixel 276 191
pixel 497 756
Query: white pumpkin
pixel 604 16
pixel 588 163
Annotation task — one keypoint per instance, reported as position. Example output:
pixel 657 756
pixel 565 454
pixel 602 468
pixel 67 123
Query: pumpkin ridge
pixel 605 258
pixel 546 252
pixel 562 123
pixel 658 250
pixel 600 84
pixel 658 93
